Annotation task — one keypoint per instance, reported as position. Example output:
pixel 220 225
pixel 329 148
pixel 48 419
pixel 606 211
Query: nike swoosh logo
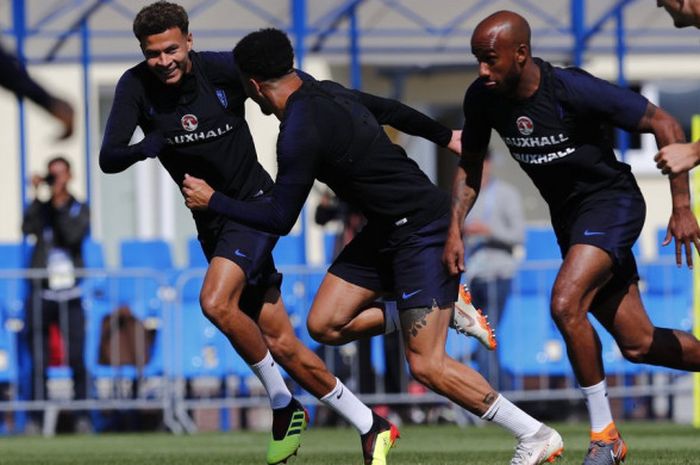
pixel 593 233
pixel 408 295
pixel 238 253
pixel 342 389
pixel 467 316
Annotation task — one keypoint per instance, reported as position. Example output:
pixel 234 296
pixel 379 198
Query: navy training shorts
pixel 252 251
pixel 411 270
pixel 612 223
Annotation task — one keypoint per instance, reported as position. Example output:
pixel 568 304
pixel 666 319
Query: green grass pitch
pixel 649 443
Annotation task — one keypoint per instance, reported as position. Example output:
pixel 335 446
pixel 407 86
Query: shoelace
pixel 594 449
pixel 522 454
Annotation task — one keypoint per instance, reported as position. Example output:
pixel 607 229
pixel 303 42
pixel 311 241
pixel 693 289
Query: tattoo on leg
pixel 490 398
pixel 415 319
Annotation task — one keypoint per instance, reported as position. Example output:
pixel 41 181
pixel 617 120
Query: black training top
pixel 15 78
pixel 556 134
pixel 196 128
pixel 334 135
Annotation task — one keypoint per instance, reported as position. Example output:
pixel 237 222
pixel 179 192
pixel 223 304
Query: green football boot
pixel 287 425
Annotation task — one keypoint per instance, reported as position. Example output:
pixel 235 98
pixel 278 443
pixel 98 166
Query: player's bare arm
pixel 683 225
pixel 465 190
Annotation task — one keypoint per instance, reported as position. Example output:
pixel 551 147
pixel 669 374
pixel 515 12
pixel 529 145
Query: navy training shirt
pixel 334 135
pixel 556 135
pixel 198 126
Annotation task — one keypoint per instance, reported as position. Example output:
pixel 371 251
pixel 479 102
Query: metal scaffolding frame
pixel 332 23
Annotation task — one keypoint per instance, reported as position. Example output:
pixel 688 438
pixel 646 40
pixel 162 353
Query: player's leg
pixel 221 291
pixel 621 311
pixel 357 313
pixel 311 373
pixel 427 295
pixel 425 331
pixel 345 306
pixel 220 297
pixel 343 311
pixel 586 271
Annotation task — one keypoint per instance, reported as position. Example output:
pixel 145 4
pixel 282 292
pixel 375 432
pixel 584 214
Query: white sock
pixel 391 317
pixel 343 401
pixel 598 406
pixel 506 414
pixel 269 375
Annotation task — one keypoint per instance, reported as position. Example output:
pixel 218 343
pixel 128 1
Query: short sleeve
pixel 589 95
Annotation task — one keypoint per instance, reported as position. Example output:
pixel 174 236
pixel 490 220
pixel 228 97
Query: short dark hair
pixel 59 159
pixel 159 17
pixel 266 53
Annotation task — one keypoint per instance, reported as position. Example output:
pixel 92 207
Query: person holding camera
pixel 58 227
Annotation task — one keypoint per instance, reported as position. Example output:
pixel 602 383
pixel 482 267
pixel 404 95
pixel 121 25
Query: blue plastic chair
pixel 529 342
pixel 541 244
pixel 664 250
pixel 534 281
pixel 201 346
pixel 666 278
pixel 195 254
pixel 13 291
pixel 290 250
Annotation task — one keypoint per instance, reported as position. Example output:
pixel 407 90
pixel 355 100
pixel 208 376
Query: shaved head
pixel 501 45
pixel 504 26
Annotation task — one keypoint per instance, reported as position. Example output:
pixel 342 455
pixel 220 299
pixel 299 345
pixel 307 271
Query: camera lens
pixel 50 179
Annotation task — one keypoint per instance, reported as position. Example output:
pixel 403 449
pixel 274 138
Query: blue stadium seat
pixel 669 310
pixel 93 253
pixel 661 250
pixel 195 255
pixel 290 250
pixel 534 280
pixel 329 241
pixel 94 287
pixel 143 290
pixel 541 244
pixel 95 310
pixel 153 253
pixel 529 342
pixel 202 348
pixel 377 355
pixel 459 347
pixel 13 289
pixel 666 278
pixel 8 352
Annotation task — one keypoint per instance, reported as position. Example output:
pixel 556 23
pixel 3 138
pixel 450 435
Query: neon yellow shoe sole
pixel 280 450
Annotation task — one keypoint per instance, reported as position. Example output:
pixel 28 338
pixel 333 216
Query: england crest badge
pixel 222 97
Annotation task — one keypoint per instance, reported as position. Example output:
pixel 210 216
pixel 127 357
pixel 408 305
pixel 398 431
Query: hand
pixel 455 144
pixel 197 193
pixel 684 228
pixel 37 180
pixel 677 158
pixel 63 112
pixel 152 144
pixel 453 254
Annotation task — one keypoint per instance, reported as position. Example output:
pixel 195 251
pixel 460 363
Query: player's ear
pixel 521 53
pixel 255 85
pixel 189 41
